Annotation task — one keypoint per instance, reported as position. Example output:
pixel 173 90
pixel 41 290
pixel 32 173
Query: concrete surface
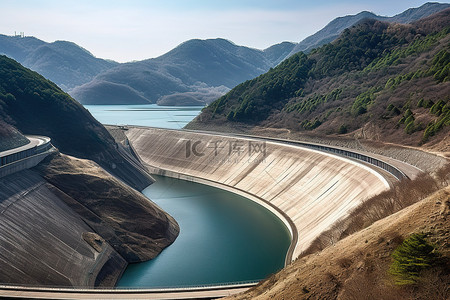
pixel 312 188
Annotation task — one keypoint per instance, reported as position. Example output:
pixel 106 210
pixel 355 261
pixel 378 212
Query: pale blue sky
pixel 137 29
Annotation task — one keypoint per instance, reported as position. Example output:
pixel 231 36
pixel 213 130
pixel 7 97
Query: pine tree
pixel 410 258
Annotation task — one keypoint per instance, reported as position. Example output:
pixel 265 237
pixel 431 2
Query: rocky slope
pixel 135 227
pixel 10 137
pixel 68 223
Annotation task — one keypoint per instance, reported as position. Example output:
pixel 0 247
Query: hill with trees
pixel 376 80
pixel 35 105
pixel 198 69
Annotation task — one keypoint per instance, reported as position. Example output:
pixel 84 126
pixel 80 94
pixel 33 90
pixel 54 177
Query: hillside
pixel 201 70
pixel 10 137
pixel 377 81
pixel 35 105
pixel 67 223
pixel 65 63
pixel 357 267
pixel 332 30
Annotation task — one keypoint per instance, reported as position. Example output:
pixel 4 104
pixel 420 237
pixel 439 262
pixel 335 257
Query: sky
pixel 128 30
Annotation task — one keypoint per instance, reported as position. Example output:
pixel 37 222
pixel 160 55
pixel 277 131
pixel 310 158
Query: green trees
pixel 392 76
pixel 410 258
pixel 363 100
pixel 311 103
pixel 253 100
pixel 441 66
pixel 442 110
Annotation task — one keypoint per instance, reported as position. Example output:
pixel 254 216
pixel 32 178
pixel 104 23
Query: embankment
pixel 67 222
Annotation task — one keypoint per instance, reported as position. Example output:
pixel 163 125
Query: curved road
pixel 25 157
pixel 35 141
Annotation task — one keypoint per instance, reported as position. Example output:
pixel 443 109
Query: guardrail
pixel 351 154
pixel 13 157
pixel 397 173
pixel 25 157
pixel 122 290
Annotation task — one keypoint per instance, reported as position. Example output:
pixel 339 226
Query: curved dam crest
pixel 311 188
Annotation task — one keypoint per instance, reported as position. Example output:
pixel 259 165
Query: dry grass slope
pixel 357 266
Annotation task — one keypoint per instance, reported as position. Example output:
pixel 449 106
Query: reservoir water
pixel 173 117
pixel 223 238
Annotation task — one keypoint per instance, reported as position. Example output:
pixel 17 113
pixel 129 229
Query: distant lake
pixel 173 117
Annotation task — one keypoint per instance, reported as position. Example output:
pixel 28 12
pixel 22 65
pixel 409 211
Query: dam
pixel 307 188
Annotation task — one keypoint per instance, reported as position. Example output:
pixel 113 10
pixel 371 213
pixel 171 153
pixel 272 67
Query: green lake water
pixel 223 238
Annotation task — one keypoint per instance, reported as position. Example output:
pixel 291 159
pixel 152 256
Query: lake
pixel 173 117
pixel 224 238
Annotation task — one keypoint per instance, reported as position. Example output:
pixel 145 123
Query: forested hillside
pixel 35 105
pixel 384 79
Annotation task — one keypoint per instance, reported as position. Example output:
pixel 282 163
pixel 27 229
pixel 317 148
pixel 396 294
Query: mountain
pixel 201 70
pixel 377 80
pixel 195 73
pixel 35 105
pixel 414 14
pixel 335 27
pixel 330 32
pixel 65 63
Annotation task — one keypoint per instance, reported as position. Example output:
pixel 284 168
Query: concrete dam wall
pixel 312 189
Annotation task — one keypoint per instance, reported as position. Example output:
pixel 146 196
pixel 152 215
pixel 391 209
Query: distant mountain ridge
pixel 65 63
pixel 199 71
pixel 196 72
pixel 335 27
pixel 202 70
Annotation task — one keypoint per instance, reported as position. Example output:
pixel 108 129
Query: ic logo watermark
pixel 227 150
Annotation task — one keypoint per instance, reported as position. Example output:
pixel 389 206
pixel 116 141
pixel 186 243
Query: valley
pixel 304 170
